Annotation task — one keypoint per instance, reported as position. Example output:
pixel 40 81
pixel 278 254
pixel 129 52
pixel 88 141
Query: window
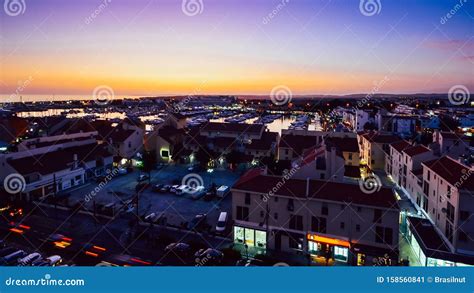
pixel 324 209
pixel 350 156
pixel 450 210
pixel 290 207
pixel 429 175
pixel 425 204
pixel 247 198
pixel 275 216
pixel 321 176
pixel 242 213
pixel 377 216
pixel 165 154
pixel 276 198
pixel 383 235
pixel 342 225
pixel 449 231
pixel 357 228
pixel 426 188
pixel 296 222
pixel 296 243
pixel 262 214
pixel 318 224
pixel 449 191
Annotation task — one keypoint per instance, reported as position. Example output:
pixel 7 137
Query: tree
pixel 233 157
pixel 203 157
pixel 149 163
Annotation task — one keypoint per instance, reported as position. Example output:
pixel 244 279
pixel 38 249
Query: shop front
pixel 326 249
pixel 251 239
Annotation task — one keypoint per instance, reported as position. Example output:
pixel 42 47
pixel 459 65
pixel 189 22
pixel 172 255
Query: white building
pixel 314 219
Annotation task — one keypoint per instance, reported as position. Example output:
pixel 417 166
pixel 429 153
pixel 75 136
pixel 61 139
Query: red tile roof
pixel 452 171
pixel 380 137
pixel 58 160
pixel 416 150
pixel 298 143
pixel 345 144
pixel 322 190
pixel 400 145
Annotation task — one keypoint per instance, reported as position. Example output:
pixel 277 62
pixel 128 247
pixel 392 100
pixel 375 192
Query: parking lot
pixel 177 209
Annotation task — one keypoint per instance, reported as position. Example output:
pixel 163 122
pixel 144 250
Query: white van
pixel 222 222
pixel 54 260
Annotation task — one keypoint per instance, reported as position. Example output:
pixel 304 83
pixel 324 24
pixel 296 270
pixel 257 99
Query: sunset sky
pixel 145 47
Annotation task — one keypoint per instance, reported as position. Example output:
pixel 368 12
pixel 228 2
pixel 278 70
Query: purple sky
pixel 145 47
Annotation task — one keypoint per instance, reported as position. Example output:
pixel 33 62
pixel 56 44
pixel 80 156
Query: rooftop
pixel 416 150
pixel 452 171
pixel 321 190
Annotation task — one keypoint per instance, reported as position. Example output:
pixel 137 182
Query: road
pixel 118 236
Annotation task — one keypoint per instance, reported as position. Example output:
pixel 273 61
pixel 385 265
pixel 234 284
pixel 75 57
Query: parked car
pixel 122 171
pixel 143 177
pixel 157 187
pixel 222 191
pixel 30 258
pixel 165 188
pixel 54 260
pixel 208 256
pixel 249 263
pixel 12 258
pixel 141 186
pixel 174 188
pixel 181 189
pixel 221 222
pixel 179 248
pixel 198 221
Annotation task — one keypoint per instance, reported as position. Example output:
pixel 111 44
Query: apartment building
pixel 357 119
pixel 452 144
pixel 374 147
pixel 314 219
pixel 55 164
pixel 293 143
